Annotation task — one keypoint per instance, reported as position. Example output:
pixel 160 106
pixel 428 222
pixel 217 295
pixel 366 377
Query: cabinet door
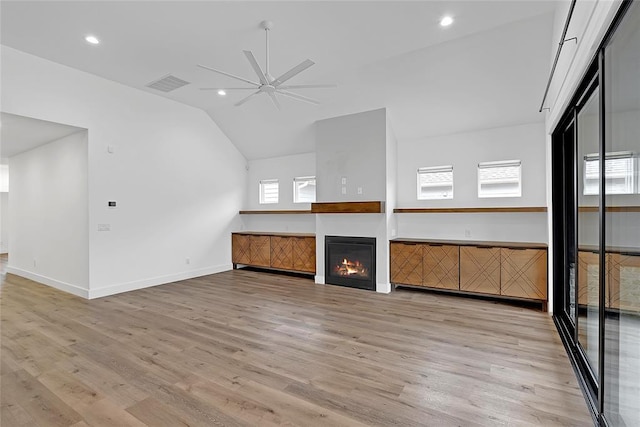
pixel 524 273
pixel 441 266
pixel 304 254
pixel 240 249
pixel 624 282
pixel 282 252
pixel 406 263
pixel 480 270
pixel 260 251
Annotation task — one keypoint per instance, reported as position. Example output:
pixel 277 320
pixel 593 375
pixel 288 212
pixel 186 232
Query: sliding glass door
pixel 596 225
pixel 622 223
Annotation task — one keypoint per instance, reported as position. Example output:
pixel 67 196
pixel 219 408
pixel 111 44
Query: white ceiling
pixel 19 134
pixel 488 69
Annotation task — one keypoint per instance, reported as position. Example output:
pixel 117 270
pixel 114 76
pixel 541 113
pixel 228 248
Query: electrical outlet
pixel 467 233
pixel 104 227
pixel 344 180
pixel 359 190
pixel 187 260
pixel 34 262
pixel 344 190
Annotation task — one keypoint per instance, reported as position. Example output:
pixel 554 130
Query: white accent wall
pixel 177 179
pixel 48 216
pixel 464 151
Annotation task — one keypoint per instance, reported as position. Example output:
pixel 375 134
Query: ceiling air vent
pixel 167 83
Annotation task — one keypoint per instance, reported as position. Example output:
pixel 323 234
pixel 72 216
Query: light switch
pixel 344 180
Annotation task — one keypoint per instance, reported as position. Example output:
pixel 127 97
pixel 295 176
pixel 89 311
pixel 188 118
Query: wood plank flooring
pixel 245 348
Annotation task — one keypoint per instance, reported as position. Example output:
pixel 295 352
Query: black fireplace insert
pixel 350 261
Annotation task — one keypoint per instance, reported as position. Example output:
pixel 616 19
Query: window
pixel 435 183
pixel 500 179
pixel 619 173
pixel 269 191
pixel 304 189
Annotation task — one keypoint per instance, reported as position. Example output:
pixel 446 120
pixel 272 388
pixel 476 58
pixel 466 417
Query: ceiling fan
pixel 267 83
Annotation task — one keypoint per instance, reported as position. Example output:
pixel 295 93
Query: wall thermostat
pixel 111 203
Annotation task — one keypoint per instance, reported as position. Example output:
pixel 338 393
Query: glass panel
pixel 588 232
pixel 568 155
pixel 622 225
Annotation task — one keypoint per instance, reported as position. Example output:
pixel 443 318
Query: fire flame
pixel 350 268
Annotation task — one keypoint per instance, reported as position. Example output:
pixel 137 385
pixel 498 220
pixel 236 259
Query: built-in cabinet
pixel 282 251
pixel 514 270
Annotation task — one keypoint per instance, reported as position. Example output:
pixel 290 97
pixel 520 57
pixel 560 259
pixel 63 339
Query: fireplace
pixel 350 261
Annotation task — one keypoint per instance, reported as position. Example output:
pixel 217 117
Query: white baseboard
pixel 319 280
pixel 155 281
pixel 63 286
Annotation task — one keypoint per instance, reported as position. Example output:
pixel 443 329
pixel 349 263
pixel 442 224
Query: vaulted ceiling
pixel 486 70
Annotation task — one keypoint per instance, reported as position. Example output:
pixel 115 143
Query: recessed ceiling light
pixel 92 40
pixel 222 92
pixel 446 21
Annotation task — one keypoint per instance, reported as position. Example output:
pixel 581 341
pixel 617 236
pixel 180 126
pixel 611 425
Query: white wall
pixel 48 215
pixel 285 169
pixel 178 180
pixel 351 147
pixel 464 151
pixel 4 222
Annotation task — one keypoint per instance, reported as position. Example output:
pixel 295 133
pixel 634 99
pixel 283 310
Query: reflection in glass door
pixel 622 223
pixel 588 184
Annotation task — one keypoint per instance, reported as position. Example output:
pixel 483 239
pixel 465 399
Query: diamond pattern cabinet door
pixel 480 270
pixel 588 278
pixel 304 254
pixel 406 263
pixel 260 251
pixel 625 282
pixel 441 266
pixel 524 273
pixel 240 249
pixel 282 252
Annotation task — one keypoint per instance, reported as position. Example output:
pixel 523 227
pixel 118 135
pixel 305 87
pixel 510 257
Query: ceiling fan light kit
pixel 266 83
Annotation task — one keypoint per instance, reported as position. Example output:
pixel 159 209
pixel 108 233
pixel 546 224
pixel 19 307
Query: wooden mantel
pixel 347 207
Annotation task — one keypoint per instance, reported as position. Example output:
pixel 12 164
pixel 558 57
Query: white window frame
pixel 302 179
pixel 630 185
pixel 264 200
pixel 485 194
pixel 447 194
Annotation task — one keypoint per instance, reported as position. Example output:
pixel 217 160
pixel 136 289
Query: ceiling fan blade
pixel 293 72
pixel 243 100
pixel 256 67
pixel 298 97
pixel 305 86
pixel 274 100
pixel 229 75
pixel 227 88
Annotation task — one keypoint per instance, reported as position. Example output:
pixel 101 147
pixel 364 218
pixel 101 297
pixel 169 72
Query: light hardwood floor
pixel 257 349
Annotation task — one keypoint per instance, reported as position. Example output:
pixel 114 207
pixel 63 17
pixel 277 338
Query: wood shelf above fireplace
pixel 347 207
